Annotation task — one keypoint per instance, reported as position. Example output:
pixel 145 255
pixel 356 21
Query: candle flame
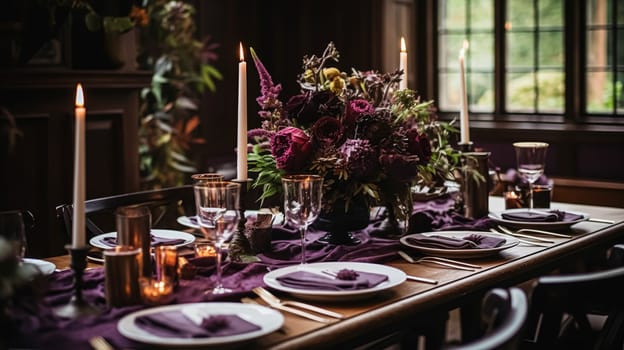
pixel 242 55
pixel 79 96
pixel 508 26
pixel 403 46
pixel 466 44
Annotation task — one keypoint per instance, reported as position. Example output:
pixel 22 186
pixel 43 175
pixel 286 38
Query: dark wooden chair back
pixel 578 296
pixel 165 204
pixel 503 312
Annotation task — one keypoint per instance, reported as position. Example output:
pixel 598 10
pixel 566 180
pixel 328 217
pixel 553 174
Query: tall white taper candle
pixel 78 229
pixel 403 65
pixel 463 115
pixel 241 147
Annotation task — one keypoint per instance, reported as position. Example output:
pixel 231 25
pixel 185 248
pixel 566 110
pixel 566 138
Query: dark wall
pixel 281 32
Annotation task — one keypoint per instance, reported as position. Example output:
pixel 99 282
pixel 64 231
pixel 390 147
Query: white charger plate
pixel 459 253
pixel 267 319
pixel 395 277
pixel 45 267
pixel 546 225
pixel 168 234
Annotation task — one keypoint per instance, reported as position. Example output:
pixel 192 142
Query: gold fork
pixel 453 264
pixel 99 343
pixel 289 306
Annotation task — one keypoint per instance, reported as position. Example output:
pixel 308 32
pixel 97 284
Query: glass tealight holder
pixel 154 292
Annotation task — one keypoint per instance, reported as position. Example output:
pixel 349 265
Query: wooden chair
pixel 564 309
pixel 165 204
pixel 503 312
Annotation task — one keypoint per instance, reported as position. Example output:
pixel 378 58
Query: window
pixel 516 63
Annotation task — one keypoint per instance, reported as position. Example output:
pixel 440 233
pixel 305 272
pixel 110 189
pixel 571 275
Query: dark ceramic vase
pixel 340 222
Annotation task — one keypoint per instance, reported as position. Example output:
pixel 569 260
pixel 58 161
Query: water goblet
pixel 531 160
pixel 302 203
pixel 217 214
pixel 206 177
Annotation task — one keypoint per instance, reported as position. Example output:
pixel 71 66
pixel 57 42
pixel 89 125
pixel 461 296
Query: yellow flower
pixel 337 85
pixel 331 73
pixel 308 76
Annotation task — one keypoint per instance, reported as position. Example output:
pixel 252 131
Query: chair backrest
pixel 165 204
pixel 580 295
pixel 504 312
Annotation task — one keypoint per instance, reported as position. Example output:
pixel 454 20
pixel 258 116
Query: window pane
pixel 519 50
pixel 598 43
pixel 520 92
pixel 481 52
pixel 597 12
pixel 620 93
pixel 482 14
pixel 550 13
pixel 520 13
pixel 599 92
pixel 551 49
pixel 619 60
pixel 449 91
pixel 449 51
pixel 452 14
pixel 551 91
pixel 620 13
pixel 481 92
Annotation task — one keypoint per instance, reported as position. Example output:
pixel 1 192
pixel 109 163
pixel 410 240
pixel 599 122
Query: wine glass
pixel 217 214
pixel 302 203
pixel 206 177
pixel 13 230
pixel 531 160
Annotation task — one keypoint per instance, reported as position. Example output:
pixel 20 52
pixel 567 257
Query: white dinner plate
pixel 168 234
pixel 267 319
pixel 395 277
pixel 459 253
pixel 547 225
pixel 191 221
pixel 45 267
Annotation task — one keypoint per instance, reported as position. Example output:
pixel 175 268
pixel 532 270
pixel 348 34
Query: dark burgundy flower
pixel 357 108
pixel 327 131
pixel 398 167
pixel 361 158
pixel 291 148
pixel 308 107
pixel 419 145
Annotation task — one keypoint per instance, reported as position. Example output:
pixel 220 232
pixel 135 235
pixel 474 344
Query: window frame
pixel 575 98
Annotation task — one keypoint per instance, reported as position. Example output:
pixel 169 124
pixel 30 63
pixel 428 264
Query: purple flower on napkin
pixel 314 281
pixel 174 324
pixel 472 241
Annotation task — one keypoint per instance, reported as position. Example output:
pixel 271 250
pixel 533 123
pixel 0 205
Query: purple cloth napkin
pixel 313 281
pixel 540 216
pixel 156 241
pixel 175 324
pixel 443 242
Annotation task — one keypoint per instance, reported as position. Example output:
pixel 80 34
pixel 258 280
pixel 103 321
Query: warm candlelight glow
pixel 242 55
pixel 205 250
pixel 79 96
pixel 403 46
pixel 508 26
pixel 155 292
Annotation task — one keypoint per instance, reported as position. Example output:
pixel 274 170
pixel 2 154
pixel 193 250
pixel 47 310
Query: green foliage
pixel 170 119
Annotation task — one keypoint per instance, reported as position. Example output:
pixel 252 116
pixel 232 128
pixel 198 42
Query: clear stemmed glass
pixel 12 229
pixel 217 213
pixel 531 160
pixel 302 203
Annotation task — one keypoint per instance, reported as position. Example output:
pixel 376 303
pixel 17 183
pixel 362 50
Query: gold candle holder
pixel 154 292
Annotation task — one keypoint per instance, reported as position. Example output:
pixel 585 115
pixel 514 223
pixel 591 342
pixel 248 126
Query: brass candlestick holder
pixel 77 306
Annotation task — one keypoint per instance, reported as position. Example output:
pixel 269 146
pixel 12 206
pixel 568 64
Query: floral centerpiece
pixel 369 141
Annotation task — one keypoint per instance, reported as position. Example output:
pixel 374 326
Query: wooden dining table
pixel 414 304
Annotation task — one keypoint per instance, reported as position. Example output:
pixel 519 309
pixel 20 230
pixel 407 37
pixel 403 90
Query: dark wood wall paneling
pixel 281 32
pixel 38 175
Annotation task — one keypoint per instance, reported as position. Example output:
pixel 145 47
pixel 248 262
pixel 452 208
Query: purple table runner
pixel 36 326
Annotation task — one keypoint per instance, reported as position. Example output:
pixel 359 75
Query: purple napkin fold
pixel 540 216
pixel 443 242
pixel 156 241
pixel 314 281
pixel 173 324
